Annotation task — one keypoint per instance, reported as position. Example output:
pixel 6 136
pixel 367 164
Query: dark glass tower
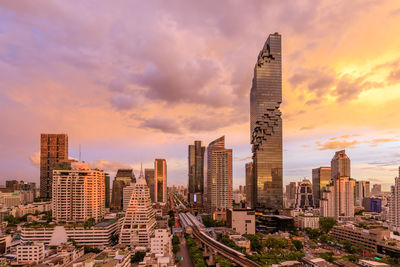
pixel 266 125
pixel 321 177
pixel 196 173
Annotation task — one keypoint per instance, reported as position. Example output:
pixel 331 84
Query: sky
pixel 131 81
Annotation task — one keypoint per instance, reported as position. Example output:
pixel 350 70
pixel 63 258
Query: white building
pixel 78 194
pixel 394 205
pixel 308 221
pixel 126 195
pixel 304 195
pixel 30 253
pixel 362 191
pixel 10 199
pixel 368 263
pixel 161 243
pixel 243 221
pixel 139 222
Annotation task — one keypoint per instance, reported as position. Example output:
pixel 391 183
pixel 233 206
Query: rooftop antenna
pixel 79 152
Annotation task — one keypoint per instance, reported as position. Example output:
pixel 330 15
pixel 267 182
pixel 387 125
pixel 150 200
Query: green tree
pixel 171 214
pixel 89 249
pixel 138 256
pixel 89 223
pixel 297 244
pixel 326 224
pixel 353 258
pixel 223 262
pixel 313 233
pixel 175 240
pixel 328 256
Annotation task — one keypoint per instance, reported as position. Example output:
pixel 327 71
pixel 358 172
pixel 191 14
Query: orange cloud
pixel 337 144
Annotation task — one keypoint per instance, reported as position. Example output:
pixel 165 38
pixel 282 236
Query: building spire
pixel 141 169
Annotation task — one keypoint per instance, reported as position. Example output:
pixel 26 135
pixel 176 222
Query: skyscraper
pixel 340 165
pixel 249 185
pixel 219 176
pixel 160 173
pixel 321 177
pixel 53 151
pixel 139 222
pixel 107 188
pixel 78 194
pixel 394 205
pixel 196 173
pixel 304 195
pixel 123 178
pixel 266 125
pixel 362 191
pixel 150 180
pixel 376 189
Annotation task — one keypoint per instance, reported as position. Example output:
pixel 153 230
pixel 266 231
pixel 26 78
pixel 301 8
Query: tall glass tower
pixel 196 173
pixel 266 125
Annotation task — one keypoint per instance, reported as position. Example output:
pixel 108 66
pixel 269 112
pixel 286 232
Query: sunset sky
pixel 136 80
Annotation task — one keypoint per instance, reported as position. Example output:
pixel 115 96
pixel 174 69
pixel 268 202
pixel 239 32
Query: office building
pixel 160 175
pixel 139 222
pixel 123 178
pixel 219 176
pixel 78 194
pixel 321 177
pixel 290 195
pixel 362 191
pixel 243 221
pixel 376 189
pixel 53 151
pixel 196 173
pixel 344 197
pixel 327 202
pixel 304 195
pixel 107 189
pixel 249 185
pixel 266 125
pixel 150 180
pixel 372 204
pixel 394 205
pixel 30 253
pixel 340 165
pixel 126 195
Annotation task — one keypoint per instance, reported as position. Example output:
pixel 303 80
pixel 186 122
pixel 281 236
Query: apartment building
pixel 30 253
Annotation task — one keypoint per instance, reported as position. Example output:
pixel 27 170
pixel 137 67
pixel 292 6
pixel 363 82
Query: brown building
pixel 53 151
pixel 123 178
pixel 160 173
pixel 249 185
pixel 321 177
pixel 150 180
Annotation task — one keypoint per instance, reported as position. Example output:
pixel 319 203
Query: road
pixel 184 252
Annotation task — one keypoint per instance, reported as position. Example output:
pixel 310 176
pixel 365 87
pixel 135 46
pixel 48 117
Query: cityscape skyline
pixel 334 78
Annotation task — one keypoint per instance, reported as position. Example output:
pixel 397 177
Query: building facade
pixel 126 195
pixel 362 191
pixel 196 173
pixel 340 165
pixel 376 189
pixel 219 176
pixel 304 195
pixel 150 180
pixel 139 222
pixel 78 194
pixel 394 205
pixel 249 185
pixel 123 178
pixel 266 125
pixel 160 173
pixel 30 253
pixel 53 151
pixel 242 221
pixel 321 177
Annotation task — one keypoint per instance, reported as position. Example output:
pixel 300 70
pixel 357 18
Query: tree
pixel 297 244
pixel 223 262
pixel 89 223
pixel 171 214
pixel 328 256
pixel 353 258
pixel 175 240
pixel 313 233
pixel 138 256
pixel 326 224
pixel 88 249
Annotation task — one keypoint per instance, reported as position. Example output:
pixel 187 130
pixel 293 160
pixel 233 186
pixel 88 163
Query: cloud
pixel 35 158
pixel 163 124
pixel 109 166
pixel 377 141
pixel 307 128
pixel 337 144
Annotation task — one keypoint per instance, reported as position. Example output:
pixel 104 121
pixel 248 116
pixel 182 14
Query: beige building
pixel 126 195
pixel 243 221
pixel 30 253
pixel 394 205
pixel 368 239
pixel 368 263
pixel 110 257
pixel 161 243
pixel 308 221
pixel 241 241
pixel 78 194
pixel 219 176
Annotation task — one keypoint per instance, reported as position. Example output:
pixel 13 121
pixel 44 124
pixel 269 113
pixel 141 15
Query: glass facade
pixel 266 125
pixel 196 172
pixel 160 168
pixel 321 177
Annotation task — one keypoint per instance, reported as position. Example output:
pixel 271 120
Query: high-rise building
pixel 340 165
pixel 327 202
pixel 219 176
pixel 107 187
pixel 304 195
pixel 126 195
pixel 290 195
pixel 321 177
pixel 124 177
pixel 78 194
pixel 249 185
pixel 394 205
pixel 139 222
pixel 344 197
pixel 160 175
pixel 266 125
pixel 150 180
pixel 376 189
pixel 53 151
pixel 196 173
pixel 362 191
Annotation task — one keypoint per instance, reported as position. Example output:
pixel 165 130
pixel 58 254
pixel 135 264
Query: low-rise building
pixel 368 263
pixel 241 241
pixel 156 260
pixel 243 221
pixel 308 221
pixel 107 258
pixel 316 262
pixel 30 253
pixel 369 239
pixel 161 243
